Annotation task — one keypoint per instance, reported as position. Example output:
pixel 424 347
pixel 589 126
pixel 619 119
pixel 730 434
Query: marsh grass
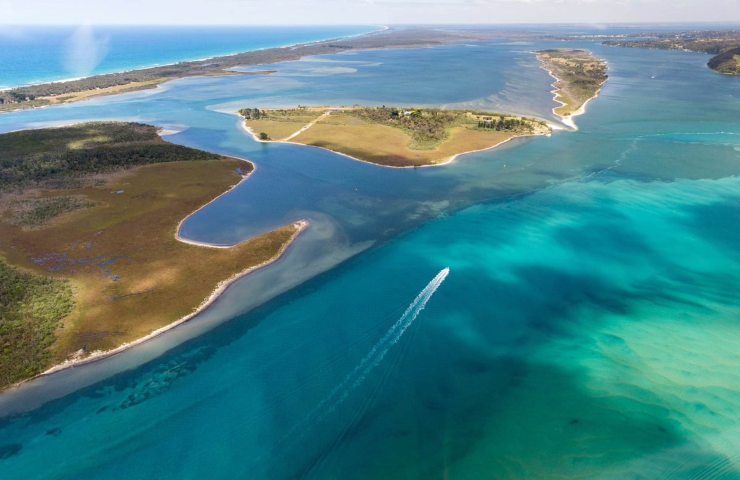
pixel 111 239
pixel 36 212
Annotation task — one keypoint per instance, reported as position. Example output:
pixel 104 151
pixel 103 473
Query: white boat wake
pixel 380 349
pixel 370 361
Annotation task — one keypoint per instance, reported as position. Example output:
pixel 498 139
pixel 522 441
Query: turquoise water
pixel 588 327
pixel 35 54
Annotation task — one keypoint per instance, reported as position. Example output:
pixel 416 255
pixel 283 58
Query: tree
pixel 264 136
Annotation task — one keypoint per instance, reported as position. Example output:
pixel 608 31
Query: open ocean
pixel 588 326
pixel 30 55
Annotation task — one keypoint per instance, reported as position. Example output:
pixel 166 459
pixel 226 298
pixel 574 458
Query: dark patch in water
pixel 53 432
pixel 10 450
pixel 718 223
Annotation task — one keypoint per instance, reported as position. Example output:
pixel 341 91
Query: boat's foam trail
pixel 380 349
pixel 354 378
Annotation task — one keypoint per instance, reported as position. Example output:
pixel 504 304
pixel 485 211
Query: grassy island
pixel 578 78
pixel 89 258
pixel 389 136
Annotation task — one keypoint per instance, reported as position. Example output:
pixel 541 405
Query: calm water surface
pixel 588 327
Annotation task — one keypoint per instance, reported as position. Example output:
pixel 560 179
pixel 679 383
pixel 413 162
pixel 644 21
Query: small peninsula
pixel 390 136
pixel 90 258
pixel 579 76
pixel 727 62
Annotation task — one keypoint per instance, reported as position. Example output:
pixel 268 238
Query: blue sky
pixel 246 12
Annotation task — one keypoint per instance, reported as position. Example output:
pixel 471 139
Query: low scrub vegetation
pixel 35 212
pixel 31 310
pixel 33 157
pixel 580 76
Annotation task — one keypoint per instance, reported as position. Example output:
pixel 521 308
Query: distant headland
pixel 723 44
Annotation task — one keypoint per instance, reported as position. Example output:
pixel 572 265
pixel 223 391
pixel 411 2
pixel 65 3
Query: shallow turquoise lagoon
pixel 588 327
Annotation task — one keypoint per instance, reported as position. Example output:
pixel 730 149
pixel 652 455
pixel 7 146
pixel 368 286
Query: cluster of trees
pixel 34 156
pixel 423 124
pixel 12 96
pixel 251 113
pixel 504 124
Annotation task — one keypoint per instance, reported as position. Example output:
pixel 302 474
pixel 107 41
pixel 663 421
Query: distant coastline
pixel 172 58
pixel 52 93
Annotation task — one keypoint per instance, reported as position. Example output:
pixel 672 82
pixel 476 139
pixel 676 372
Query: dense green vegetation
pixel 31 310
pixel 34 156
pixel 723 44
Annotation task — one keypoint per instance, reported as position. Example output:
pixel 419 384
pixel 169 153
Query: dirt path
pixel 307 126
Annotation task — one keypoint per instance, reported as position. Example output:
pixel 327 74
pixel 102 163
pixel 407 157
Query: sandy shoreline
pixel 567 119
pixel 220 288
pixel 180 238
pixel 447 161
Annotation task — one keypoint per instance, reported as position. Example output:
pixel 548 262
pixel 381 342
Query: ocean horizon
pixel 38 54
